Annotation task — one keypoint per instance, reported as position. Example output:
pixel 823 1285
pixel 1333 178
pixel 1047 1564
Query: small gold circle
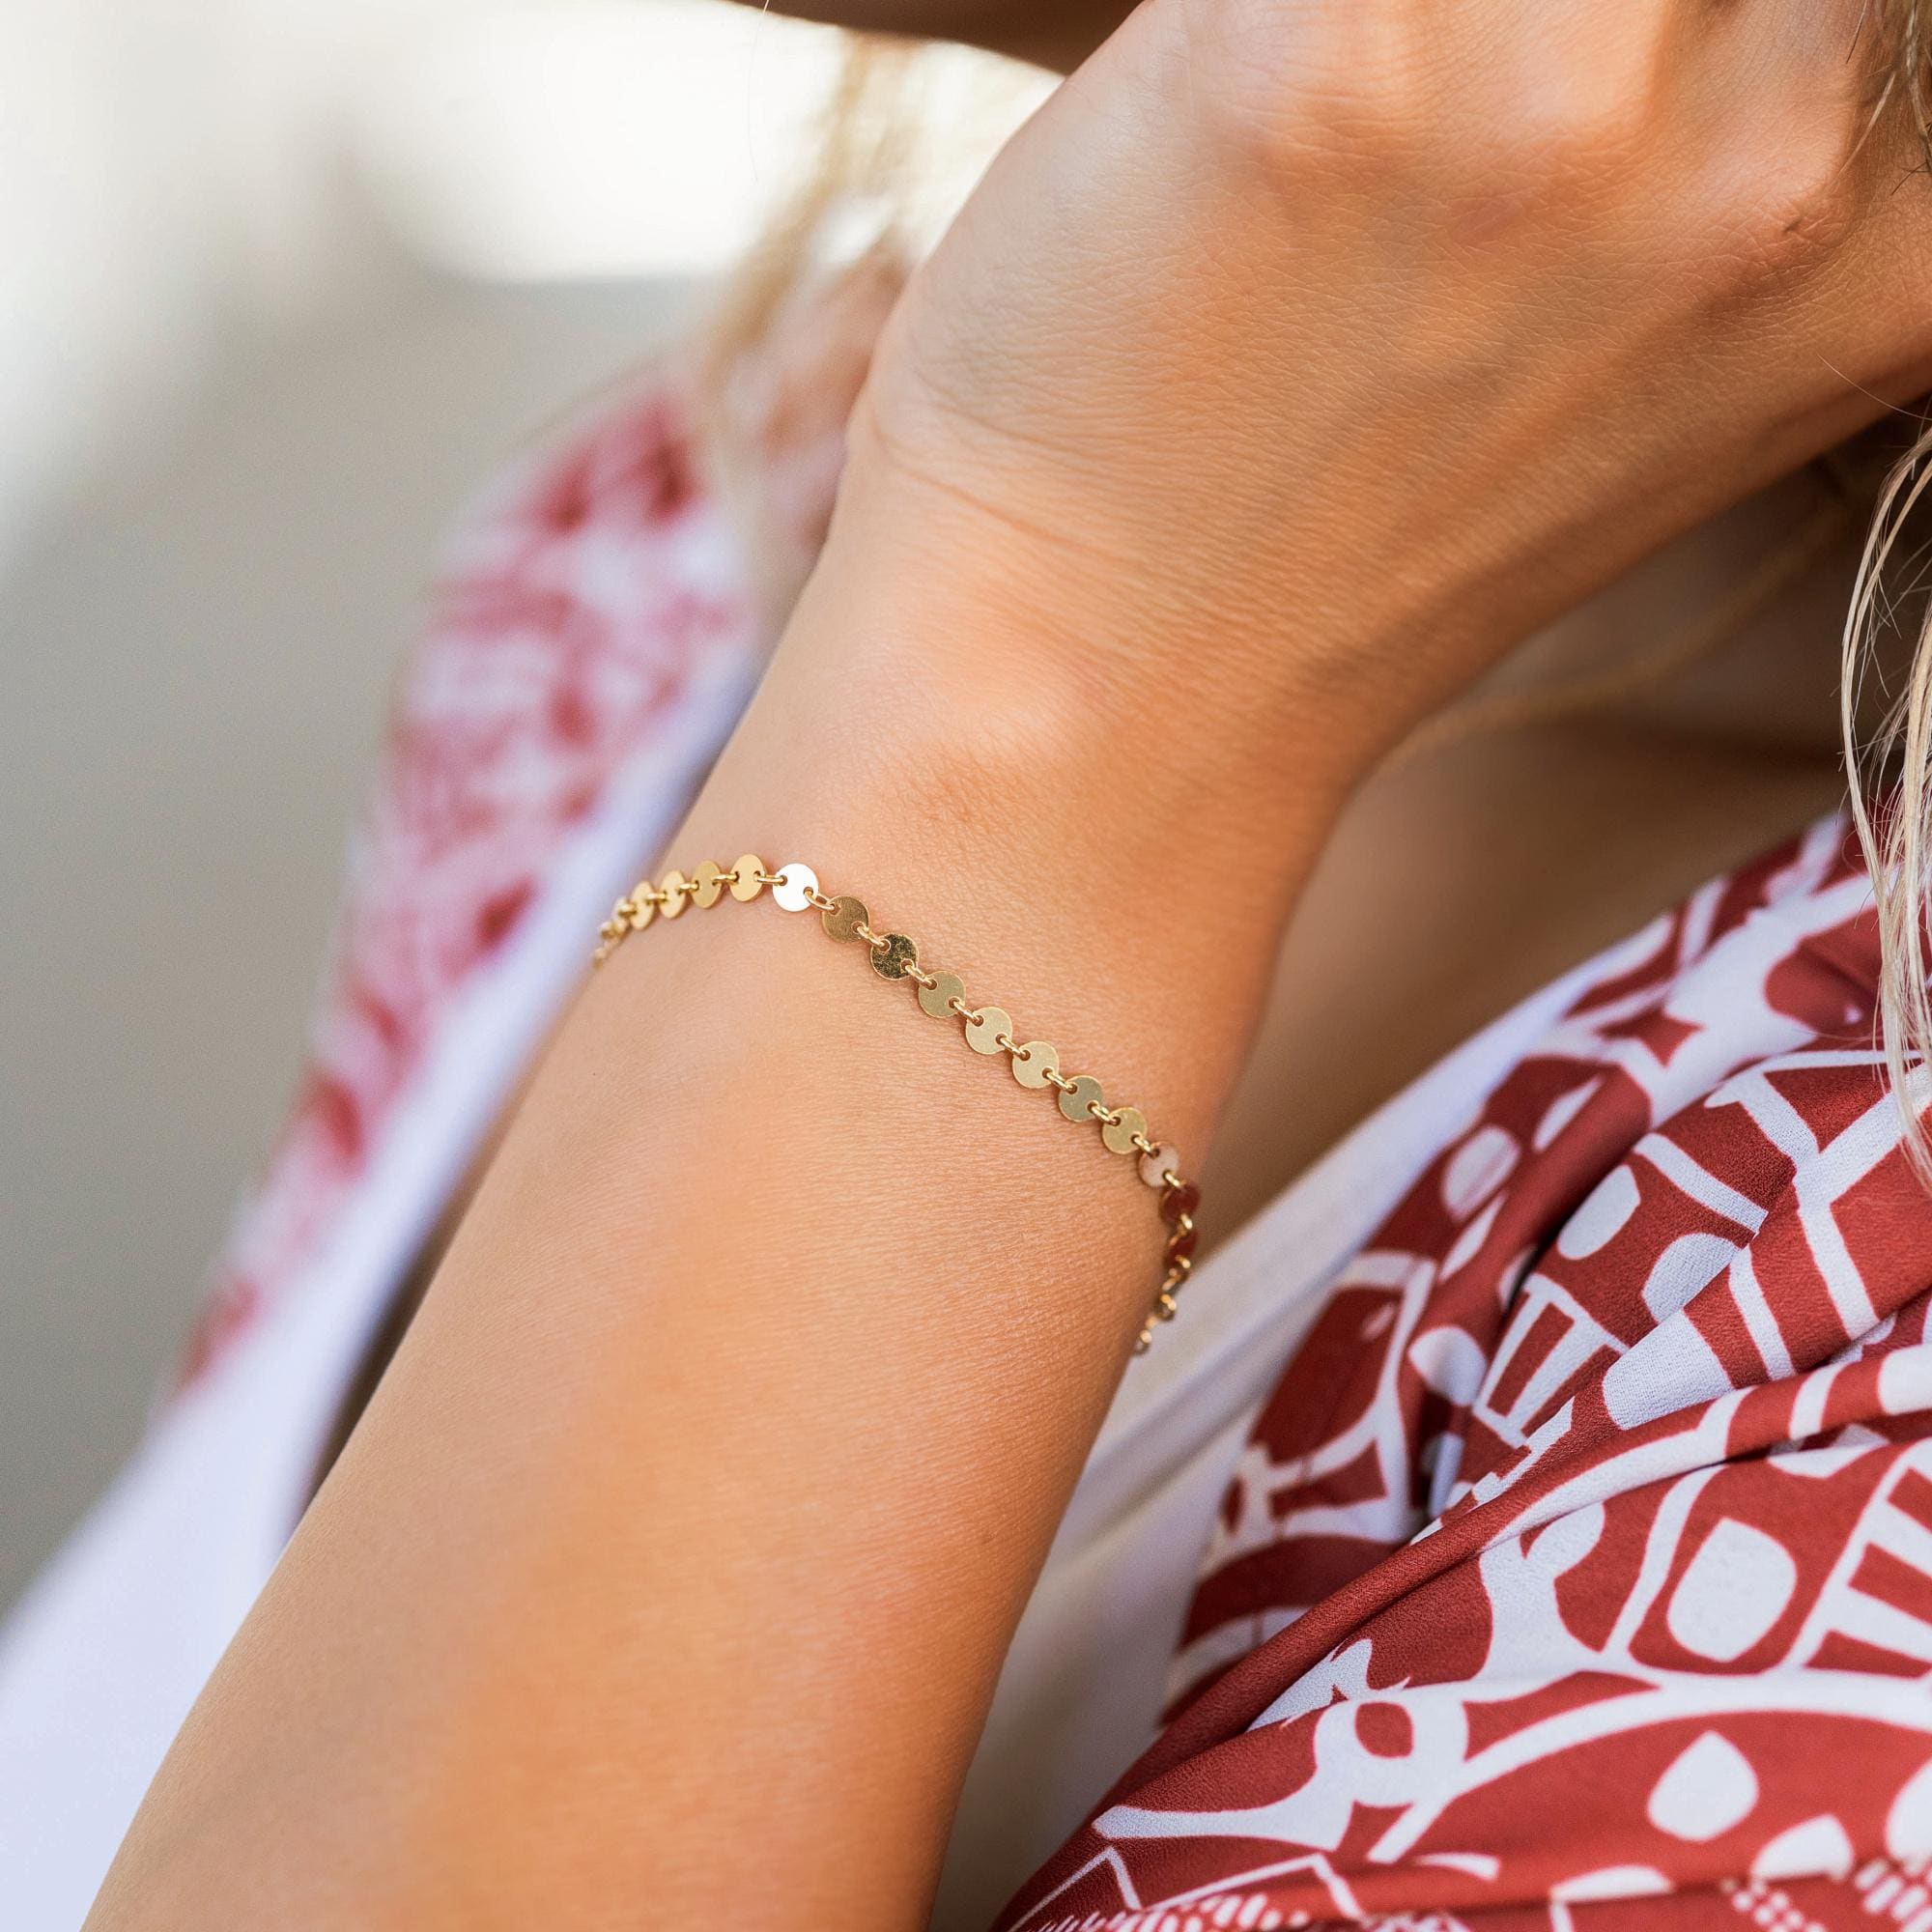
pixel 707 884
pixel 795 886
pixel 846 917
pixel 937 999
pixel 896 957
pixel 1084 1092
pixel 1119 1133
pixel 641 912
pixel 985 1028
pixel 1032 1060
pixel 1156 1166
pixel 672 886
pixel 747 877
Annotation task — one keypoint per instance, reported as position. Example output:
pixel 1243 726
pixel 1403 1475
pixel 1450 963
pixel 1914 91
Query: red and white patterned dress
pixel 1578 1566
pixel 1531 1521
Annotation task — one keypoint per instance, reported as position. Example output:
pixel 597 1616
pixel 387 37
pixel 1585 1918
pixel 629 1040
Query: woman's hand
pixel 1312 352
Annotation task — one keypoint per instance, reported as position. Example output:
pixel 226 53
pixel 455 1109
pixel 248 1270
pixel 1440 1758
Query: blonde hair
pixel 862 156
pixel 1888 773
pixel 1889 768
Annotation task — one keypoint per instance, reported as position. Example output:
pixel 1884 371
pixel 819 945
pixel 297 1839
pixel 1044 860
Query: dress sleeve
pixel 1580 1570
pixel 590 640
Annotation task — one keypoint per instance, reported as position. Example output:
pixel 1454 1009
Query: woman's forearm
pixel 698 1507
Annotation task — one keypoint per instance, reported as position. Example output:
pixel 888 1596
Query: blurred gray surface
pixel 194 651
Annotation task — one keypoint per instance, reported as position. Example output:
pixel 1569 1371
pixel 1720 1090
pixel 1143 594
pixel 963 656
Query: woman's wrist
pixel 953 650
pixel 969 730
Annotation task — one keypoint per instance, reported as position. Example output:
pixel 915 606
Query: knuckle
pixel 1364 91
pixel 1786 218
pixel 1295 84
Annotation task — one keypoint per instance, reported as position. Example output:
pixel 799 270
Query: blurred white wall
pixel 284 280
pixel 195 649
pixel 166 161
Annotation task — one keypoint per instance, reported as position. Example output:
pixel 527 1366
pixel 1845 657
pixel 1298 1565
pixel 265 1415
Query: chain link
pixel 1034 1063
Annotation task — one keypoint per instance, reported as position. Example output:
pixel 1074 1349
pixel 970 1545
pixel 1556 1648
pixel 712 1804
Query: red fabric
pixel 1579 1568
pixel 579 595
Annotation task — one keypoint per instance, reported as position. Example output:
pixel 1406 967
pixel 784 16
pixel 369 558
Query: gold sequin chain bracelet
pixel 1035 1062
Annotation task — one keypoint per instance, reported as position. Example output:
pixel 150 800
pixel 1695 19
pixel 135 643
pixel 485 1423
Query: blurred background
pixel 285 280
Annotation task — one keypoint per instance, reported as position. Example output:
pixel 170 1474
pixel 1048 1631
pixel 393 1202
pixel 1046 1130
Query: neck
pixel 1731 633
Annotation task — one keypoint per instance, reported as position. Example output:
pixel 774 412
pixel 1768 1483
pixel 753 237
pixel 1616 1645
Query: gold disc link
pixel 896 957
pixel 795 887
pixel 1081 1094
pixel 988 1030
pixel 942 995
pixel 985 1028
pixel 1035 1063
pixel 845 917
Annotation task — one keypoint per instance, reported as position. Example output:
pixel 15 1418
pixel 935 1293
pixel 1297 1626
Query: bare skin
pixel 1277 382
